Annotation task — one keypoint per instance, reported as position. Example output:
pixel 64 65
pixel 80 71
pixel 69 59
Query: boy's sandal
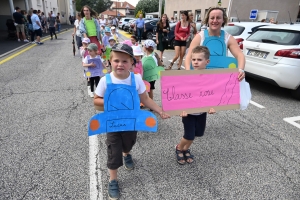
pixel 189 156
pixel 180 159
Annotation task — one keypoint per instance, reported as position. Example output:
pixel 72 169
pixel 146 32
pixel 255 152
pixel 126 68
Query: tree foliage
pixel 147 6
pixel 98 5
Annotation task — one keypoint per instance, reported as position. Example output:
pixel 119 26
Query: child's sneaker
pixel 129 165
pixel 92 94
pixel 113 190
pixel 89 90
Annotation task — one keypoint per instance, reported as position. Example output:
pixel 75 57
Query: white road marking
pixel 292 120
pixel 164 57
pixel 95 174
pixel 256 104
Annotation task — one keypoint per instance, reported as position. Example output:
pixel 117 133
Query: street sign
pixel 253 14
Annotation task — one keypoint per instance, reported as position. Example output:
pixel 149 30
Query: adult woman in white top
pixel 215 19
pixel 77 31
pixel 102 21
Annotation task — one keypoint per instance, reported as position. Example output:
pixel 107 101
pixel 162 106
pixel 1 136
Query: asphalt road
pixel 44 151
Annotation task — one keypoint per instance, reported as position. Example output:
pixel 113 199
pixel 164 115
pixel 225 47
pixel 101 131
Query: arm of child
pixel 183 114
pixel 211 111
pixel 149 103
pixel 85 63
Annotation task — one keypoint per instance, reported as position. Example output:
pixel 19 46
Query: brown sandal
pixel 170 66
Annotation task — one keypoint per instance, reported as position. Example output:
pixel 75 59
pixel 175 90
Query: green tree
pixel 98 5
pixel 147 6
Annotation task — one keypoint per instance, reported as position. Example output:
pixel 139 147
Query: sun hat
pixel 137 51
pixel 149 43
pixel 128 42
pixel 92 47
pixel 124 48
pixel 86 40
pixel 107 29
pixel 111 38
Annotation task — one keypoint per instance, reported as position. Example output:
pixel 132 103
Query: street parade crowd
pixel 109 62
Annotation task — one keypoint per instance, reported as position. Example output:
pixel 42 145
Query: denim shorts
pixel 194 126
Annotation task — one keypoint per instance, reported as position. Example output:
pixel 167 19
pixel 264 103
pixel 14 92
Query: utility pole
pixel 159 8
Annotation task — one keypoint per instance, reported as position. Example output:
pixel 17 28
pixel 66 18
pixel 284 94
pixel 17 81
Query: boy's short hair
pixel 134 37
pixel 202 49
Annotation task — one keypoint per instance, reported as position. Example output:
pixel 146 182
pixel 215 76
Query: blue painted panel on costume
pixel 94 71
pixel 218 52
pixel 122 111
pixel 151 70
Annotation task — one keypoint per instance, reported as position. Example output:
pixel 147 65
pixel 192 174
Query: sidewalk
pixel 9 45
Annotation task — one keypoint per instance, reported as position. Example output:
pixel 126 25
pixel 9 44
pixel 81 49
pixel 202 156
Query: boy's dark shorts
pixel 118 142
pixel 152 85
pixel 194 126
pixel 39 32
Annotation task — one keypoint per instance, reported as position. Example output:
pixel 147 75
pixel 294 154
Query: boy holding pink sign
pixel 194 124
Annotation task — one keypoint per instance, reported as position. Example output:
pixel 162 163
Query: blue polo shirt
pixel 140 23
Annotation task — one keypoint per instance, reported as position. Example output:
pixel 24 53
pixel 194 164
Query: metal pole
pixel 159 8
pixel 26 5
pixel 11 5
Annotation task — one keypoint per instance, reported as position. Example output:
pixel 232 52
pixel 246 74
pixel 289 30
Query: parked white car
pixel 273 55
pixel 241 30
pixel 123 22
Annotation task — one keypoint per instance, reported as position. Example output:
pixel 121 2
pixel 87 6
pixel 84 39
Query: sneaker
pixel 39 43
pixel 33 42
pixel 92 94
pixel 19 40
pixel 113 190
pixel 129 165
pixel 89 90
pixel 26 41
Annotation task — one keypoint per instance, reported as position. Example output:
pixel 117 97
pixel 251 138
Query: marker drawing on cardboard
pixel 122 111
pixel 196 91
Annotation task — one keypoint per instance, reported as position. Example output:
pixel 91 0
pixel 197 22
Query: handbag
pixel 245 94
pixel 165 38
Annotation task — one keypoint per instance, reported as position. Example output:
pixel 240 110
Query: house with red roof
pixel 125 8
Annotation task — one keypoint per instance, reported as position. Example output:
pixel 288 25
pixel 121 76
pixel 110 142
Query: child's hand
pixel 211 111
pixel 92 65
pixel 183 114
pixel 164 115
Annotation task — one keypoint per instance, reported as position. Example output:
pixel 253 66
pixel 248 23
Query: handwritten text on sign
pixel 200 90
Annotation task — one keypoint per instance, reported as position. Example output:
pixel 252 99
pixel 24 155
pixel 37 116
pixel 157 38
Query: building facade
pixel 125 8
pixel 234 8
pixel 65 7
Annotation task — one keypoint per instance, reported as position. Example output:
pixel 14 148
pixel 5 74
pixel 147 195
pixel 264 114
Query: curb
pixel 27 44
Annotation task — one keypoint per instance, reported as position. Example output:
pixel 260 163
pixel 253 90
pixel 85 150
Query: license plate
pixel 259 54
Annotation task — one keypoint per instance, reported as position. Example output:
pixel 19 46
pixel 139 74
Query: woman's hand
pixel 241 75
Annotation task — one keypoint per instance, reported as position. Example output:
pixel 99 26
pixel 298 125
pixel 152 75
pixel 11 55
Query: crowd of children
pixel 124 64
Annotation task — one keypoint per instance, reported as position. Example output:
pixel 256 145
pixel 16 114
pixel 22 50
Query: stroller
pixel 11 29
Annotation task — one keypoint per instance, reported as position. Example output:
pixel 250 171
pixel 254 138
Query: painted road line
pixel 127 35
pixel 256 104
pixel 26 49
pixel 292 120
pixel 96 189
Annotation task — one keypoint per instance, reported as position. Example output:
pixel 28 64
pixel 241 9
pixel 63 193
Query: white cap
pixel 149 43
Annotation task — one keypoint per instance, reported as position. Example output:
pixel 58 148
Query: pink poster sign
pixel 200 90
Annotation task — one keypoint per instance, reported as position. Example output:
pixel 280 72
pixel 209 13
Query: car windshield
pixel 274 36
pixel 234 30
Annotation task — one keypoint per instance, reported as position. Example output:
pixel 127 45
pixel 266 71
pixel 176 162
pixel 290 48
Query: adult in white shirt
pixel 37 27
pixel 77 31
pixel 102 21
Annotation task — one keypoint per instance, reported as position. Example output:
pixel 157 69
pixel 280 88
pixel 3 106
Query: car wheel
pixel 296 93
pixel 149 35
pixel 123 27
